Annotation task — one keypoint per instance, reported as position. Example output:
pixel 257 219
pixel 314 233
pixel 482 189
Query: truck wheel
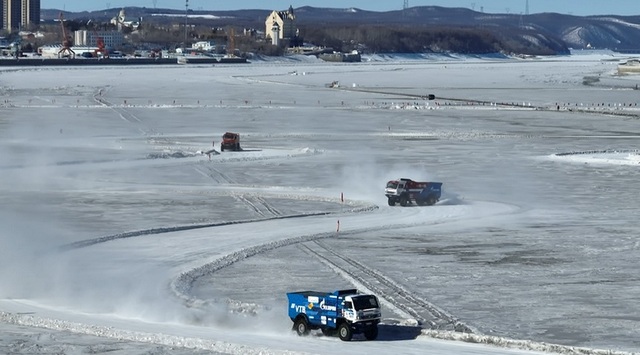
pixel 222 148
pixel 421 202
pixel 431 201
pixel 391 201
pixel 344 331
pixel 403 201
pixel 300 326
pixel 371 333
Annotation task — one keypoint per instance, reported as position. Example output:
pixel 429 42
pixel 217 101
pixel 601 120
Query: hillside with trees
pixel 423 29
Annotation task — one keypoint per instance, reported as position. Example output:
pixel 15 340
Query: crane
pixel 67 42
pixel 231 42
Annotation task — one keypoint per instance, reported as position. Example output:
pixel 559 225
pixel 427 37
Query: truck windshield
pixel 365 302
pixel 392 185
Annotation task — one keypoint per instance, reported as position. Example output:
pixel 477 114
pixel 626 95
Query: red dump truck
pixel 230 141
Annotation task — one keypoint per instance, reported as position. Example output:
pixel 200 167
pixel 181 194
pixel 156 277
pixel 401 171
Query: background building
pixel 30 12
pixel 10 14
pixel 18 14
pixel 284 21
pixel 112 39
pixel 122 21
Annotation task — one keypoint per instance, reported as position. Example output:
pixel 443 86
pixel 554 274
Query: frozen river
pixel 112 216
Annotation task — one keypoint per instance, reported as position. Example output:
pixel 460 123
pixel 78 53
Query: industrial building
pixel 111 39
pixel 18 14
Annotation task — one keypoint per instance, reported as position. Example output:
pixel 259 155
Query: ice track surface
pixel 140 238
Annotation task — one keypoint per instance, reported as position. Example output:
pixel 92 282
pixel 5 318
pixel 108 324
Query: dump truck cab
pixel 230 141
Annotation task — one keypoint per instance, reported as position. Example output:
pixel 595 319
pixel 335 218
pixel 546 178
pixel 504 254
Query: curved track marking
pixel 404 300
pixel 394 293
pixel 162 230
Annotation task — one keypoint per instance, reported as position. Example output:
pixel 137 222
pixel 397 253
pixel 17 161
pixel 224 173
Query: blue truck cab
pixel 345 312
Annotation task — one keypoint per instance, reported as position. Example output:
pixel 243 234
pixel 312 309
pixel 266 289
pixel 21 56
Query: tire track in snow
pixel 255 203
pixel 124 114
pixel 268 206
pixel 394 293
pixel 214 175
pixel 259 205
pixel 222 178
pixel 243 199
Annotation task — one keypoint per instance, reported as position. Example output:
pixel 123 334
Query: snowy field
pixel 120 236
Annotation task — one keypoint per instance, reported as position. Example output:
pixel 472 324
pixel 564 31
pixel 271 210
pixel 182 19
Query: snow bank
pixel 153 338
pixel 600 157
pixel 518 344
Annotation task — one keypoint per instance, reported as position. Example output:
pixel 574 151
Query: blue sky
pixel 575 7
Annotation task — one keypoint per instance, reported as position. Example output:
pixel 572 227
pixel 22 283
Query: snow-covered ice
pixel 119 234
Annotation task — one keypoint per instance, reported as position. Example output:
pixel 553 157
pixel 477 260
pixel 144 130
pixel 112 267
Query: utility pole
pixel 405 7
pixel 521 23
pixel 527 8
pixel 186 17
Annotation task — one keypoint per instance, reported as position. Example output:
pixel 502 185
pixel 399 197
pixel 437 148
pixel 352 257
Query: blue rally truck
pixel 405 191
pixel 345 312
